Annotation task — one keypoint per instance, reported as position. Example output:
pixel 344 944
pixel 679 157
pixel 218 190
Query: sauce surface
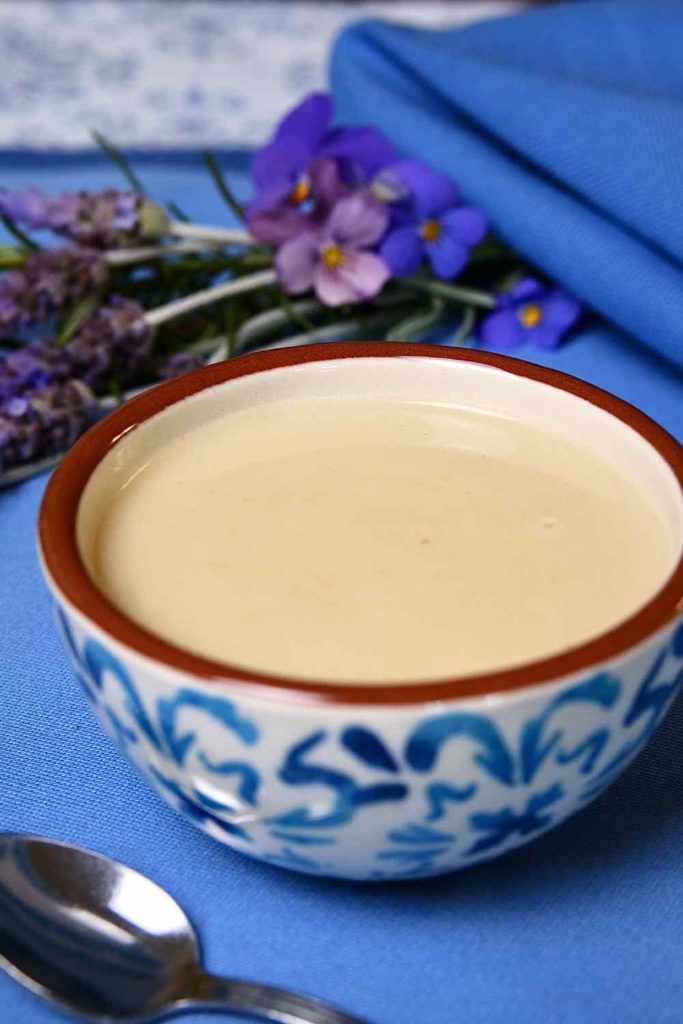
pixel 371 540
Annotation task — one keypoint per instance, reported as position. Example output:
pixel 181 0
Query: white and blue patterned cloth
pixel 182 74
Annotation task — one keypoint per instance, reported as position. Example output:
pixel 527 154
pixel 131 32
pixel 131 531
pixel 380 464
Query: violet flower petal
pixel 296 140
pixel 364 149
pixel 544 335
pixel 271 197
pixel 402 250
pixel 296 261
pixel 528 288
pixel 465 224
pixel 432 193
pixel 501 330
pixel 561 310
pixel 447 256
pixel 358 221
pixel 277 225
pixel 308 121
pixel 361 276
pixel 327 184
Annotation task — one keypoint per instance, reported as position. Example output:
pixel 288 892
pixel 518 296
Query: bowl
pixel 360 781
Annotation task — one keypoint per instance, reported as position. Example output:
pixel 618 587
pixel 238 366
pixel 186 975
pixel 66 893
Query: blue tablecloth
pixel 582 927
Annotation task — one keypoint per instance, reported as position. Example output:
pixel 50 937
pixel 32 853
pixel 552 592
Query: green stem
pixel 11 256
pixel 454 292
pixel 232 311
pixel 294 314
pixel 119 159
pixel 16 232
pixel 222 185
pixel 465 329
pixel 207 296
pixel 174 209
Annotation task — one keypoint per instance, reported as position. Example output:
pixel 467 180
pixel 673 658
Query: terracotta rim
pixel 57 534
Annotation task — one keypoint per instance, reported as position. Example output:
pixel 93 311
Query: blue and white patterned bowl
pixel 355 781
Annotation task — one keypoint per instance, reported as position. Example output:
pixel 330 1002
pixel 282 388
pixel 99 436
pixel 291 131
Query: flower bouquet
pixel 342 239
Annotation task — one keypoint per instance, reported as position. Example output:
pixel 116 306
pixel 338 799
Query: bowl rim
pixel 62 560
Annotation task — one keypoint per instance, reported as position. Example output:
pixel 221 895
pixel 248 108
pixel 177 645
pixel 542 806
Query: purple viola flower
pixel 427 222
pixel 49 280
pixel 114 343
pixel 281 171
pixel 531 313
pixel 335 259
pixel 325 186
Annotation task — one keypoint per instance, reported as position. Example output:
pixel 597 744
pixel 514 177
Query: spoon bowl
pixel 99 939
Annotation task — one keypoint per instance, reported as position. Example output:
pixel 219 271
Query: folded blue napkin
pixel 565 125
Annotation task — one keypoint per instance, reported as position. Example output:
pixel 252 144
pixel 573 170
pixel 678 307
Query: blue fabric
pixel 565 125
pixel 581 927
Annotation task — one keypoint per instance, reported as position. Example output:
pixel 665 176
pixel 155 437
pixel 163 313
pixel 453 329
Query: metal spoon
pixel 102 940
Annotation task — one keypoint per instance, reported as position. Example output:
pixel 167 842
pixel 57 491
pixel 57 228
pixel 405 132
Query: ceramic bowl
pixel 356 781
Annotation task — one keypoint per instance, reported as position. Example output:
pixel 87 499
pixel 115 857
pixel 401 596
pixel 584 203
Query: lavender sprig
pixel 111 218
pixel 49 280
pixel 114 343
pixel 44 422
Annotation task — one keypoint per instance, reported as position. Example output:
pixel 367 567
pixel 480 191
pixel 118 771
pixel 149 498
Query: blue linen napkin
pixel 565 125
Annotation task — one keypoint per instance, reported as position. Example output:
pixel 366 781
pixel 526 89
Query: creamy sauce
pixel 377 541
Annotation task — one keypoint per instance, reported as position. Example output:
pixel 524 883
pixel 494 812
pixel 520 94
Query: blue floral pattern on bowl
pixel 374 792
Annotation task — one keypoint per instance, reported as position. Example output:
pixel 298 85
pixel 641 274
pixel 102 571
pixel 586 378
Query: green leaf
pixel 115 389
pixel 222 185
pixel 295 315
pixel 77 316
pixel 491 249
pixel 232 318
pixel 11 256
pixel 117 157
pixel 174 209
pixel 416 326
pixel 16 232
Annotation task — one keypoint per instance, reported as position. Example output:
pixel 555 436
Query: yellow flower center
pixel 301 191
pixel 333 257
pixel 531 315
pixel 431 230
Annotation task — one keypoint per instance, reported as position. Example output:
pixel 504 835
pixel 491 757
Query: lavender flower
pixel 49 280
pixel 334 259
pixel 44 422
pixel 27 206
pixel 114 343
pixel 426 221
pixel 33 368
pixel 531 313
pixel 179 363
pixel 108 219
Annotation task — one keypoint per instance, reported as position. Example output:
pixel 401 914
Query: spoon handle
pixel 261 1002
